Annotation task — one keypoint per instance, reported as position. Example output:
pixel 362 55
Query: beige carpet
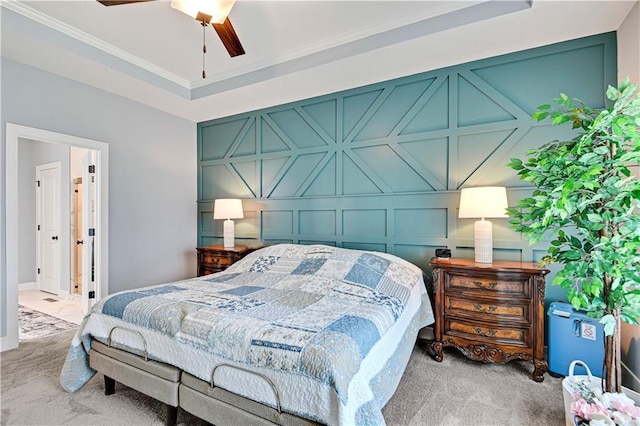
pixel 454 392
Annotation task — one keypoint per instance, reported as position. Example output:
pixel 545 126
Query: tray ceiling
pixel 152 53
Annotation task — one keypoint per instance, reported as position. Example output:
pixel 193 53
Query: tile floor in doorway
pixel 51 304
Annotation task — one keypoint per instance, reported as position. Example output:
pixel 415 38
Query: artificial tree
pixel 586 201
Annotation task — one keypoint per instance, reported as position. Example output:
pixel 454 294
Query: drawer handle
pixel 491 285
pixel 481 308
pixel 491 332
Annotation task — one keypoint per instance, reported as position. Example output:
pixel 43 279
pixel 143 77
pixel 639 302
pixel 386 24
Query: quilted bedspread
pixel 292 312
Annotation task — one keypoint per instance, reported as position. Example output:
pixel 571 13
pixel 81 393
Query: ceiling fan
pixel 206 12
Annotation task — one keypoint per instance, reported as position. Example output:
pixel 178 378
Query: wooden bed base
pixel 176 388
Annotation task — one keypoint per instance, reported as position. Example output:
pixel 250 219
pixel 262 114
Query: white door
pixel 89 238
pixel 48 227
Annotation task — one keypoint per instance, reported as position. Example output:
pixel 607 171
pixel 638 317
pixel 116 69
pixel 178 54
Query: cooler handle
pixel 576 327
pixel 586 367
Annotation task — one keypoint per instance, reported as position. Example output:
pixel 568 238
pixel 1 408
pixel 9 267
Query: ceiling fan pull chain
pixel 204 49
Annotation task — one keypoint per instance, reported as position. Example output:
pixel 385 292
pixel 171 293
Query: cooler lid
pixel 561 309
pixel 566 310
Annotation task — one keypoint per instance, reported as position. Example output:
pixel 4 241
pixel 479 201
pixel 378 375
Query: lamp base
pixel 483 240
pixel 228 234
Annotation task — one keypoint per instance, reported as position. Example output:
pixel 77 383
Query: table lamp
pixel 483 202
pixel 228 208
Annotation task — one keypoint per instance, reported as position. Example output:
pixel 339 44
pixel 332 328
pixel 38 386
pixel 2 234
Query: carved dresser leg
pixel 541 367
pixel 437 351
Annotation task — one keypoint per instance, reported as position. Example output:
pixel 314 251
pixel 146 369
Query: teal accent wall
pixel 380 167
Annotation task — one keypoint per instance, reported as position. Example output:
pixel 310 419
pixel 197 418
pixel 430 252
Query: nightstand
pixel 491 312
pixel 212 259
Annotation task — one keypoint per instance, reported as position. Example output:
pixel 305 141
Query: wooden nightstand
pixel 491 312
pixel 212 259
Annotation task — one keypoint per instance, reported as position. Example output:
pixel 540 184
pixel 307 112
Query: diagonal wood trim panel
pixel 380 167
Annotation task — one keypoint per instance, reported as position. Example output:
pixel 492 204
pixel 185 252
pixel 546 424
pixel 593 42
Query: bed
pixel 290 334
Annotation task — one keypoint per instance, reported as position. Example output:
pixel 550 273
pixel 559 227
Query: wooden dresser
pixel 212 259
pixel 491 312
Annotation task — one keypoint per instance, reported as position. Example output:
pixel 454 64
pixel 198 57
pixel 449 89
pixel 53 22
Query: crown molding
pixel 362 40
pixel 28 12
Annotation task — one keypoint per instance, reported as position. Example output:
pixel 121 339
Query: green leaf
pixel 629 319
pixel 575 242
pixel 588 156
pixel 575 302
pixel 594 217
pixel 539 116
pixel 609 323
pixel 612 93
pixel 572 255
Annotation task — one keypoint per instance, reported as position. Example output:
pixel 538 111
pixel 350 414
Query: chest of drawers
pixel 490 312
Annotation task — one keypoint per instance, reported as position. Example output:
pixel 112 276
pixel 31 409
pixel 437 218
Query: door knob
pixel 79 242
pixel 55 237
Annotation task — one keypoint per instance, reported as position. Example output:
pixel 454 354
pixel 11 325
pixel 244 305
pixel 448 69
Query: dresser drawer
pixel 217 259
pixel 490 333
pixel 519 286
pixel 212 259
pixel 208 271
pixel 487 309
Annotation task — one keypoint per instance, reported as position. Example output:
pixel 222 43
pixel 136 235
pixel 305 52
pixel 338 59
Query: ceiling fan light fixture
pixel 218 10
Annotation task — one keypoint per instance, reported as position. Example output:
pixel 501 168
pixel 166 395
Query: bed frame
pixel 176 388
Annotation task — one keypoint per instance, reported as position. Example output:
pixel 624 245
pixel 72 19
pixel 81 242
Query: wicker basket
pixel 595 383
pixel 569 387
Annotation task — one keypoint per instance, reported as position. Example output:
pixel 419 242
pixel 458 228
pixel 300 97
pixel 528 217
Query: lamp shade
pixel 227 208
pixel 483 201
pixel 217 9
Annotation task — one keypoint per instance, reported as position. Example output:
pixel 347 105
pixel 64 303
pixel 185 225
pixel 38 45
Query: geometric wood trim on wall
pixel 382 165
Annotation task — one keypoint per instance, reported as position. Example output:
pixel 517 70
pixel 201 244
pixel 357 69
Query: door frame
pixel 62 265
pixel 14 133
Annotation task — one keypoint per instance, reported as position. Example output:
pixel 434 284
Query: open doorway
pixel 90 291
pixel 50 298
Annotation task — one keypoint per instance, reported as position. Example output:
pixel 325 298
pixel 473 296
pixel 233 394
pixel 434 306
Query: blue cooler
pixel 574 335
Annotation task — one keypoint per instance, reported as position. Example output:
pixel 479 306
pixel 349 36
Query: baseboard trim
pixel 29 285
pixel 635 379
pixel 7 343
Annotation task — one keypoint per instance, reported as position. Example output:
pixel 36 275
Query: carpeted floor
pixel 33 324
pixel 456 391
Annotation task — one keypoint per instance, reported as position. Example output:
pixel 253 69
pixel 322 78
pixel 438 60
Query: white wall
pixel 629 45
pixel 27 206
pixel 629 65
pixel 152 176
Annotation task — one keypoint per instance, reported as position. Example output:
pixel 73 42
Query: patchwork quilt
pixel 324 320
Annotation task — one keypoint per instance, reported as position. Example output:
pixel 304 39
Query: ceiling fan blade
pixel 117 2
pixel 229 38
